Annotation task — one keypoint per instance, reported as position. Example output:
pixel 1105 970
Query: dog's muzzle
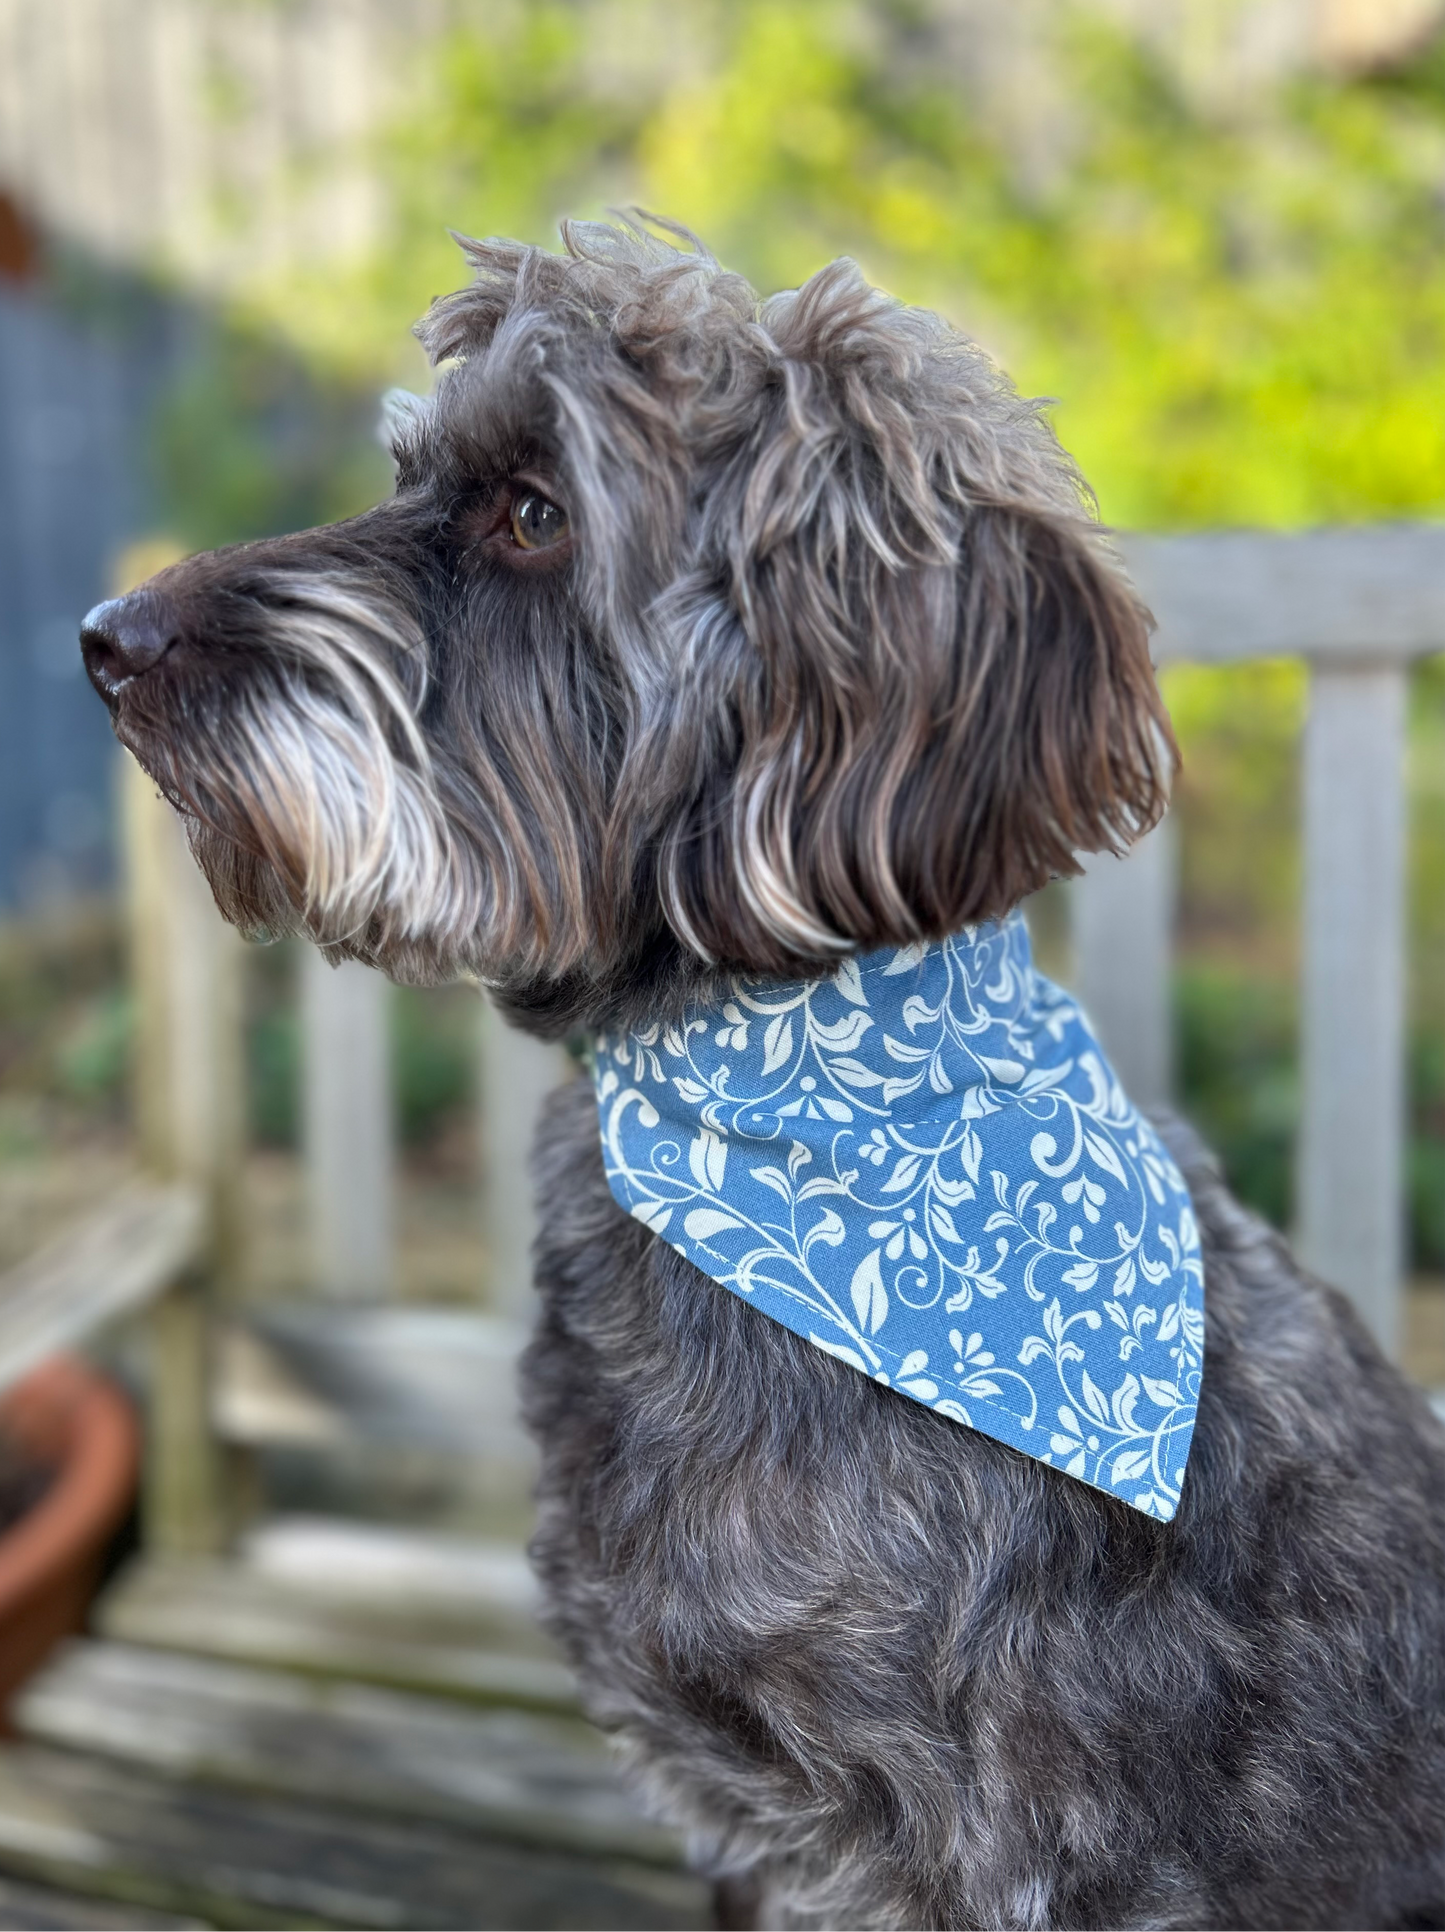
pixel 123 638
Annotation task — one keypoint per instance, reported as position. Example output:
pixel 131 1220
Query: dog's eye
pixel 537 523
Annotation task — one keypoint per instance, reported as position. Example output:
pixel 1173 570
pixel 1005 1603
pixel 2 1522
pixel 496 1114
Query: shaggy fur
pixel 830 655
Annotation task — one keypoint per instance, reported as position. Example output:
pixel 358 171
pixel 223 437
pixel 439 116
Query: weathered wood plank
pixel 257 1402
pixel 1121 912
pixel 186 967
pixel 517 1074
pixel 442 1377
pixel 381 1563
pixel 1351 1211
pixel 348 1127
pixel 184 1507
pixel 543 1780
pixel 489 1653
pixel 245 1860
pixel 190 1093
pixel 40 1908
pixel 120 1258
pixel 1369 594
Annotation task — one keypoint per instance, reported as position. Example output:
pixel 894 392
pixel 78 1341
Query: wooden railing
pixel 1358 605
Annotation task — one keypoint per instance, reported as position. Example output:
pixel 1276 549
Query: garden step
pixel 546 1780
pixel 467 1644
pixel 246 1859
pixel 340 1556
pixel 40 1908
pixel 424 1376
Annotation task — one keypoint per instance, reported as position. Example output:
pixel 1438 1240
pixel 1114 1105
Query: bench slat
pixel 117 1260
pixel 546 1780
pixel 1370 594
pixel 41 1908
pixel 484 1652
pixel 248 1859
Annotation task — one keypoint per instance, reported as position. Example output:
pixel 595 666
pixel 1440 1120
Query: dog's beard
pixel 307 789
pixel 352 832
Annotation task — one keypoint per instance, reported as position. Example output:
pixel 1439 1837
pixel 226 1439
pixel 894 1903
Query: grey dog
pixel 703 636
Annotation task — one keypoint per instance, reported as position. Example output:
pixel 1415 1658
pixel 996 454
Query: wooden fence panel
pixel 1329 595
pixel 517 1074
pixel 348 1127
pixel 190 1101
pixel 1350 1160
pixel 1122 928
pixel 1358 604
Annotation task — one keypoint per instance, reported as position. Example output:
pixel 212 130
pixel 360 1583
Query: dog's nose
pixel 124 637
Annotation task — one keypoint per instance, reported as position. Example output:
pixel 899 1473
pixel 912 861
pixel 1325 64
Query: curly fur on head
pixel 838 655
pixel 828 653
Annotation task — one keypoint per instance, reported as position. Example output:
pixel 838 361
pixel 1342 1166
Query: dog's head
pixel 695 630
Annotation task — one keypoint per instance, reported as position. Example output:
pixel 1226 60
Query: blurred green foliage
pixel 1239 303
pixel 250 441
pixel 1238 798
pixel 92 1055
pixel 1426 1176
pixel 65 1026
pixel 273 1046
pixel 1236 1062
pixel 1240 315
pixel 1426 785
pixel 434 1034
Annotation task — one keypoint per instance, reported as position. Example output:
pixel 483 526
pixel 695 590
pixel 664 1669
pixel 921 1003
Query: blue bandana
pixel 926 1167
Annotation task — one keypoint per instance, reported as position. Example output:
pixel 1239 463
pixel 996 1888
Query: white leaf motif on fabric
pixel 932 1132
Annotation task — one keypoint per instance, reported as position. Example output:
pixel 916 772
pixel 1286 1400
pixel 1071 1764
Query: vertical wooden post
pixel 1122 918
pixel 1353 1035
pixel 517 1074
pixel 190 1107
pixel 348 1127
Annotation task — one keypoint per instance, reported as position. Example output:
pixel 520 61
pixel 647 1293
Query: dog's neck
pixel 658 981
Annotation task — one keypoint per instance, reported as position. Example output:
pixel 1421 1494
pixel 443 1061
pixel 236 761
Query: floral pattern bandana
pixel 926 1167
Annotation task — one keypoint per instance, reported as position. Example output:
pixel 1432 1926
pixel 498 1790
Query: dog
pixel 705 638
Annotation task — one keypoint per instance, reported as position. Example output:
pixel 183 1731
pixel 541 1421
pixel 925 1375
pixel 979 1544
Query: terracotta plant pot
pixel 83 1430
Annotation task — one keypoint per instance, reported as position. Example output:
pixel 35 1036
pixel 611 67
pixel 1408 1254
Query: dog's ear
pixel 911 682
